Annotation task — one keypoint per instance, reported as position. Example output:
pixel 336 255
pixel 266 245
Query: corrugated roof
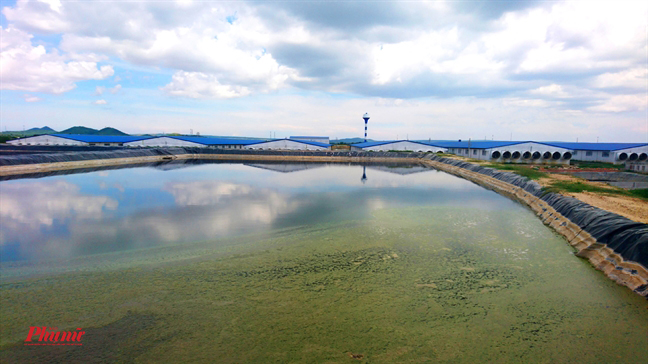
pixel 323 145
pixel 596 146
pixel 473 144
pixel 214 141
pixel 101 138
pixel 383 142
pixel 316 137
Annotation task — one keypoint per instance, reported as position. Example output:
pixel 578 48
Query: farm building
pixel 79 140
pixel 606 152
pixel 508 151
pixel 385 146
pixel 287 144
pixel 189 141
pixel 316 139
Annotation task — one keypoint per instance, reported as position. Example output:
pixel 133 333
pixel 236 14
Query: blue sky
pixel 557 70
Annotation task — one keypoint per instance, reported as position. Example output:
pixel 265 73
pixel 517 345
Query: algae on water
pixel 410 284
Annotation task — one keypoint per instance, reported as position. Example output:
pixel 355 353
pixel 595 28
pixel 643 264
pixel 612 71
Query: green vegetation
pixel 352 140
pixel 525 171
pixel 80 130
pixel 581 164
pixel 582 186
pixel 109 131
pixel 5 137
pixel 463 286
pixel 30 132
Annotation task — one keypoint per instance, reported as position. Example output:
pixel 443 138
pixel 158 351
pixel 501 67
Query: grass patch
pixel 523 171
pixel 578 187
pixel 581 164
pixel 640 193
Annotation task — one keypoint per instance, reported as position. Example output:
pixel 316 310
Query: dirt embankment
pixel 631 207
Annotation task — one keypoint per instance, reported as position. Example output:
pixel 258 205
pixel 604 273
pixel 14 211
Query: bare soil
pixel 633 208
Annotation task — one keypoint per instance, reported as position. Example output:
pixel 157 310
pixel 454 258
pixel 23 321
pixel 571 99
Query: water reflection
pixel 33 212
pixel 117 210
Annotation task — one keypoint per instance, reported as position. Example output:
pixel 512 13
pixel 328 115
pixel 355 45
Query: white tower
pixel 366 119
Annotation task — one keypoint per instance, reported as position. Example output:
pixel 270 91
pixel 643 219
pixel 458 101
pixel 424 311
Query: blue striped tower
pixel 366 119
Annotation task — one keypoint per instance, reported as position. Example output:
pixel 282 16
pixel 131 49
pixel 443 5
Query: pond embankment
pixel 614 244
pixel 38 163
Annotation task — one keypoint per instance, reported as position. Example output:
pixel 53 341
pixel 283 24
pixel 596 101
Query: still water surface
pixel 117 210
pixel 299 262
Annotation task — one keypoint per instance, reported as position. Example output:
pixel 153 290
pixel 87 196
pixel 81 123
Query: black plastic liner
pixel 82 155
pixel 185 163
pixel 12 160
pixel 627 238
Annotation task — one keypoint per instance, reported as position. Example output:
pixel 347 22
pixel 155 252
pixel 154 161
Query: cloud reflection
pixel 40 203
pixel 54 220
pixel 30 212
pixel 204 210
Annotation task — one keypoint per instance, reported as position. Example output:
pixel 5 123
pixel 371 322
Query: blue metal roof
pixel 315 137
pixel 383 142
pixel 473 144
pixel 214 141
pixel 595 146
pixel 101 138
pixel 323 145
pixel 488 144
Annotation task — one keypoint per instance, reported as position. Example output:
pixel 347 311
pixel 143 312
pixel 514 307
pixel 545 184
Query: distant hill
pixel 79 130
pixel 109 131
pixel 45 129
pixel 30 132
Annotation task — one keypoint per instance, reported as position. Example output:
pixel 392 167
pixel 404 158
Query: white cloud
pixel 620 103
pixel 28 68
pixel 99 90
pixel 100 102
pixel 552 90
pixel 634 78
pixel 567 60
pixel 199 85
pixel 30 98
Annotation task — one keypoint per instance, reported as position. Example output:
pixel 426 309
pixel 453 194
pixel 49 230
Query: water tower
pixel 366 119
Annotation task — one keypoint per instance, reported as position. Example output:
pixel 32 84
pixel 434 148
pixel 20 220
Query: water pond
pixel 269 262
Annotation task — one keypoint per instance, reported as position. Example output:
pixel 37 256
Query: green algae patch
pixel 414 284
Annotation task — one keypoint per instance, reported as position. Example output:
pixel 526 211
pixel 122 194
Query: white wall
pixel 162 142
pixel 45 140
pixel 284 144
pixel 609 157
pixel 637 166
pixel 324 140
pixel 594 156
pixel 404 145
pixel 486 154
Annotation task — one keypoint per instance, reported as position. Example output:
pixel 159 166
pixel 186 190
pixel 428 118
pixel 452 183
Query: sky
pixel 520 70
